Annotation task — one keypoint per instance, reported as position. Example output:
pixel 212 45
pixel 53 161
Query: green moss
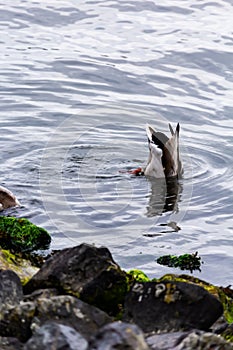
pixel 137 275
pixel 189 262
pixel 228 335
pixel 226 298
pixel 22 235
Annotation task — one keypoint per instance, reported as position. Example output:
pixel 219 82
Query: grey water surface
pixel 79 81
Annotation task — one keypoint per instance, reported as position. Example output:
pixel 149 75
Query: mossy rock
pixel 137 275
pixel 21 235
pixel 23 268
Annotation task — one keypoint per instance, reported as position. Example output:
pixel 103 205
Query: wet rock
pixel 171 306
pixel 27 316
pixel 53 336
pixel 23 267
pixel 120 336
pixel 84 271
pixel 11 291
pixel 10 344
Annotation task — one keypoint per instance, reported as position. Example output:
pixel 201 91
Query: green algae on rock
pixel 20 234
pixel 24 269
pixel 137 275
pixel 189 262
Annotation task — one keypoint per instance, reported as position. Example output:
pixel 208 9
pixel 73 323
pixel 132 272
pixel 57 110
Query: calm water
pixel 79 81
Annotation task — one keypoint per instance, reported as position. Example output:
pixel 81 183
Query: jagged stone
pixel 70 311
pixel 11 291
pixel 84 271
pixel 9 343
pixel 192 340
pixel 165 341
pixel 198 340
pixel 120 336
pixel 57 336
pixel 41 293
pixel 17 321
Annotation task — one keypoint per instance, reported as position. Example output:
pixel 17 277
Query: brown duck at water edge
pixel 164 159
pixel 7 199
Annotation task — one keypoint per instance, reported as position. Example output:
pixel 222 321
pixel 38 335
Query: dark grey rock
pixel 120 336
pixel 27 316
pixel 71 311
pixel 11 291
pixel 171 306
pixel 219 326
pixel 54 336
pixel 192 340
pixel 198 340
pixel 16 321
pixel 10 344
pixel 84 271
pixel 41 293
pixel 165 341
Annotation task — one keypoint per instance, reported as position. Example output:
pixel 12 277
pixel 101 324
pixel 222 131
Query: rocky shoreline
pixel 80 298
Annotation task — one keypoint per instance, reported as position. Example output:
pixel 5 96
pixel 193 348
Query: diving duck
pixel 7 199
pixel 164 159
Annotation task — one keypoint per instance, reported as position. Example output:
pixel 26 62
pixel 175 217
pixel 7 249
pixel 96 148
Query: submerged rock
pixel 171 306
pixel 87 272
pixel 56 336
pixel 119 335
pixel 22 235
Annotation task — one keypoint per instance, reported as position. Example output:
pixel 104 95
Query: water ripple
pixel 78 85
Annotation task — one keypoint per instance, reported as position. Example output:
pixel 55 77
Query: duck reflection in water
pixel 164 196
